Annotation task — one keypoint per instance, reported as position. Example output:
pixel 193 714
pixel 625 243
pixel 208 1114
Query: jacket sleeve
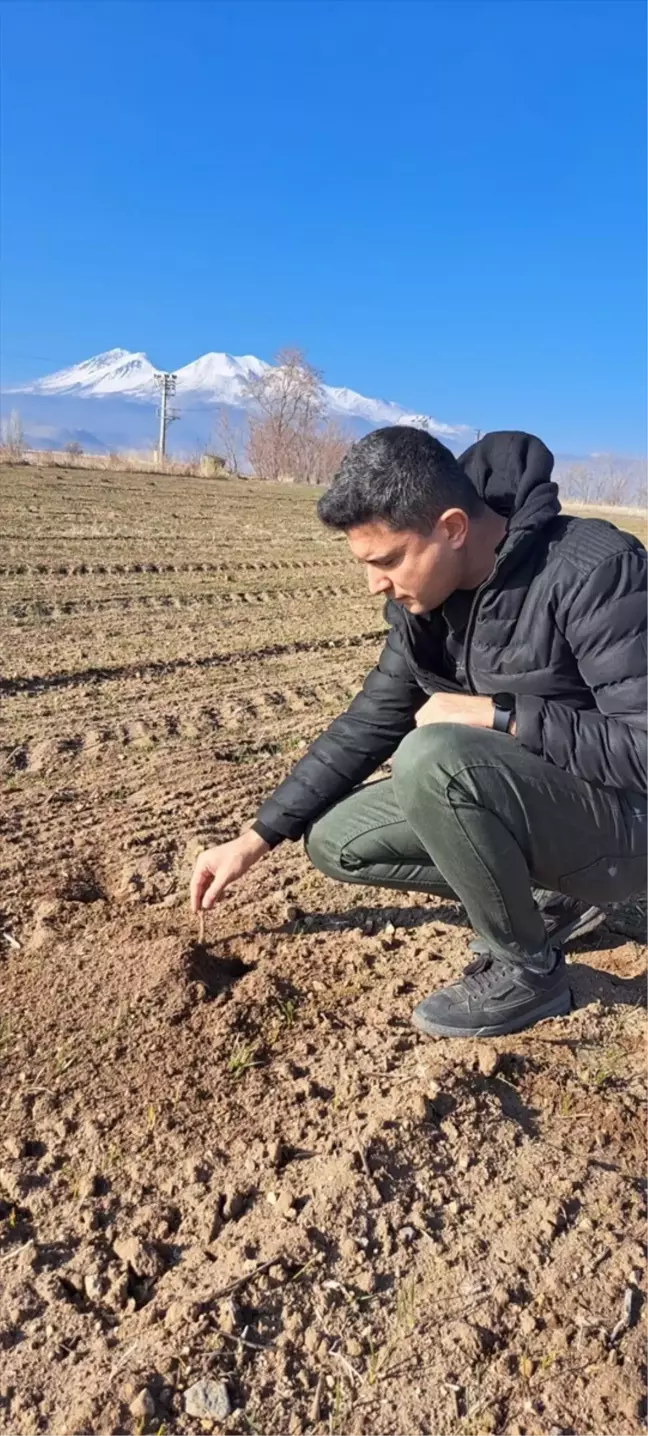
pixel 605 627
pixel 350 749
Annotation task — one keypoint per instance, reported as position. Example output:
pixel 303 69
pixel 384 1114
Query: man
pixel 510 696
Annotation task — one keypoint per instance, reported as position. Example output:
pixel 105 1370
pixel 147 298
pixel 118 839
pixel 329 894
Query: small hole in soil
pixel 216 974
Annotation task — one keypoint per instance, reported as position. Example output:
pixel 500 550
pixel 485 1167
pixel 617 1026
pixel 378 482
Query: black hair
pixel 400 475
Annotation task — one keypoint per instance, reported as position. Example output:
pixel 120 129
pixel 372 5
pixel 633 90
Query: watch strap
pixel 501 718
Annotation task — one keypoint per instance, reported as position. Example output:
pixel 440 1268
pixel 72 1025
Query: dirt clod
pixel 488 1059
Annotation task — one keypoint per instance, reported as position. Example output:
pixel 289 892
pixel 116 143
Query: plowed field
pixel 241 1165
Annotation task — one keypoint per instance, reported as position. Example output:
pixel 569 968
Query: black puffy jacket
pixel 560 623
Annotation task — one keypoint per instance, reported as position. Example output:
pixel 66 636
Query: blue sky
pixel 442 203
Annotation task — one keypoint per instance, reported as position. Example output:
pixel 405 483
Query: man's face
pixel 419 571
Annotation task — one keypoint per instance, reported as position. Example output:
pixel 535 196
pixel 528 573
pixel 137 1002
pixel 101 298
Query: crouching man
pixel 510 696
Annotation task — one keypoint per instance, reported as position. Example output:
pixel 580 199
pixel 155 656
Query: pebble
pixel 286 1204
pixel 407 1235
pixel 348 1249
pixel 208 1401
pixel 142 1407
pixel 275 1153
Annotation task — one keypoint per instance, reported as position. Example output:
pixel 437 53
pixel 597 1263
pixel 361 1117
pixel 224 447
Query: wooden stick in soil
pixel 201 928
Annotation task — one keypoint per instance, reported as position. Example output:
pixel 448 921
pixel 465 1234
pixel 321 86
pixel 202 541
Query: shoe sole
pixel 558 1007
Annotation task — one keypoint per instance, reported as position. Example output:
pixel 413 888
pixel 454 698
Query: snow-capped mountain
pixel 115 372
pixel 211 379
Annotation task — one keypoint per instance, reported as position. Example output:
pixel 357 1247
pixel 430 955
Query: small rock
pixel 88 1185
pixel 286 1203
pixel 208 1401
pixel 419 1107
pixel 275 1153
pixel 365 1279
pixel 348 1249
pixel 527 1323
pixel 487 1059
pixel 14 1147
pixel 94 1285
pixel 233 1204
pixel 142 1407
pixel 407 1235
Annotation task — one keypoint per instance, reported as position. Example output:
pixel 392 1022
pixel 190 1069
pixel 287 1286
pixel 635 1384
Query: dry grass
pixel 633 520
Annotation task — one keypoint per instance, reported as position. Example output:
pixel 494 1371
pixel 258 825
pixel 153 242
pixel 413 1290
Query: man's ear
pixel 455 524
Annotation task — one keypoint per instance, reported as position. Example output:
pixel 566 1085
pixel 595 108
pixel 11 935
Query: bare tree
pixel 289 434
pixel 616 486
pixel 73 448
pixel 287 407
pixel 230 438
pixel 324 450
pixel 597 482
pixel 13 437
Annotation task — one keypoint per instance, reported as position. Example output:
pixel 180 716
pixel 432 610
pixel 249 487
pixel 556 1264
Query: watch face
pixel 504 700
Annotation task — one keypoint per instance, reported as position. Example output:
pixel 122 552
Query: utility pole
pixel 478 434
pixel 167 387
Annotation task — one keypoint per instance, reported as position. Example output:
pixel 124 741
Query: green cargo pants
pixel 471 813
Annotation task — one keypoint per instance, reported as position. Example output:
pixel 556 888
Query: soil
pixel 235 1161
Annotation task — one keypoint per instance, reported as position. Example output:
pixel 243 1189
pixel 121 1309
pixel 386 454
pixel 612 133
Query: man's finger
pixel 199 882
pixel 214 892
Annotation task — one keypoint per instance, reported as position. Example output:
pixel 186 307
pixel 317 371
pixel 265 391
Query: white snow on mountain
pixel 211 379
pixel 115 372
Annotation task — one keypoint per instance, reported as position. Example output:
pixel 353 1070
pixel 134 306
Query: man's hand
pixel 217 867
pixel 458 708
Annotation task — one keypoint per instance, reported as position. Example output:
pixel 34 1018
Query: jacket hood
pixel 511 472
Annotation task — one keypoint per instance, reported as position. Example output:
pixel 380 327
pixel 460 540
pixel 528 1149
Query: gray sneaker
pixel 565 919
pixel 495 996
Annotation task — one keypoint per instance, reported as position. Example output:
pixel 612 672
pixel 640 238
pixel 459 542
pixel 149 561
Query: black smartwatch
pixel 503 712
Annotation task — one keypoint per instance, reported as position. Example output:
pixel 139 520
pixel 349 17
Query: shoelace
pixel 479 973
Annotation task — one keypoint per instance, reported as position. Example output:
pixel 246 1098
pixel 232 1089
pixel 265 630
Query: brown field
pixel 245 1166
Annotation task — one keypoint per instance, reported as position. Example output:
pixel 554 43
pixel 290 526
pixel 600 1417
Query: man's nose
pixel 378 582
